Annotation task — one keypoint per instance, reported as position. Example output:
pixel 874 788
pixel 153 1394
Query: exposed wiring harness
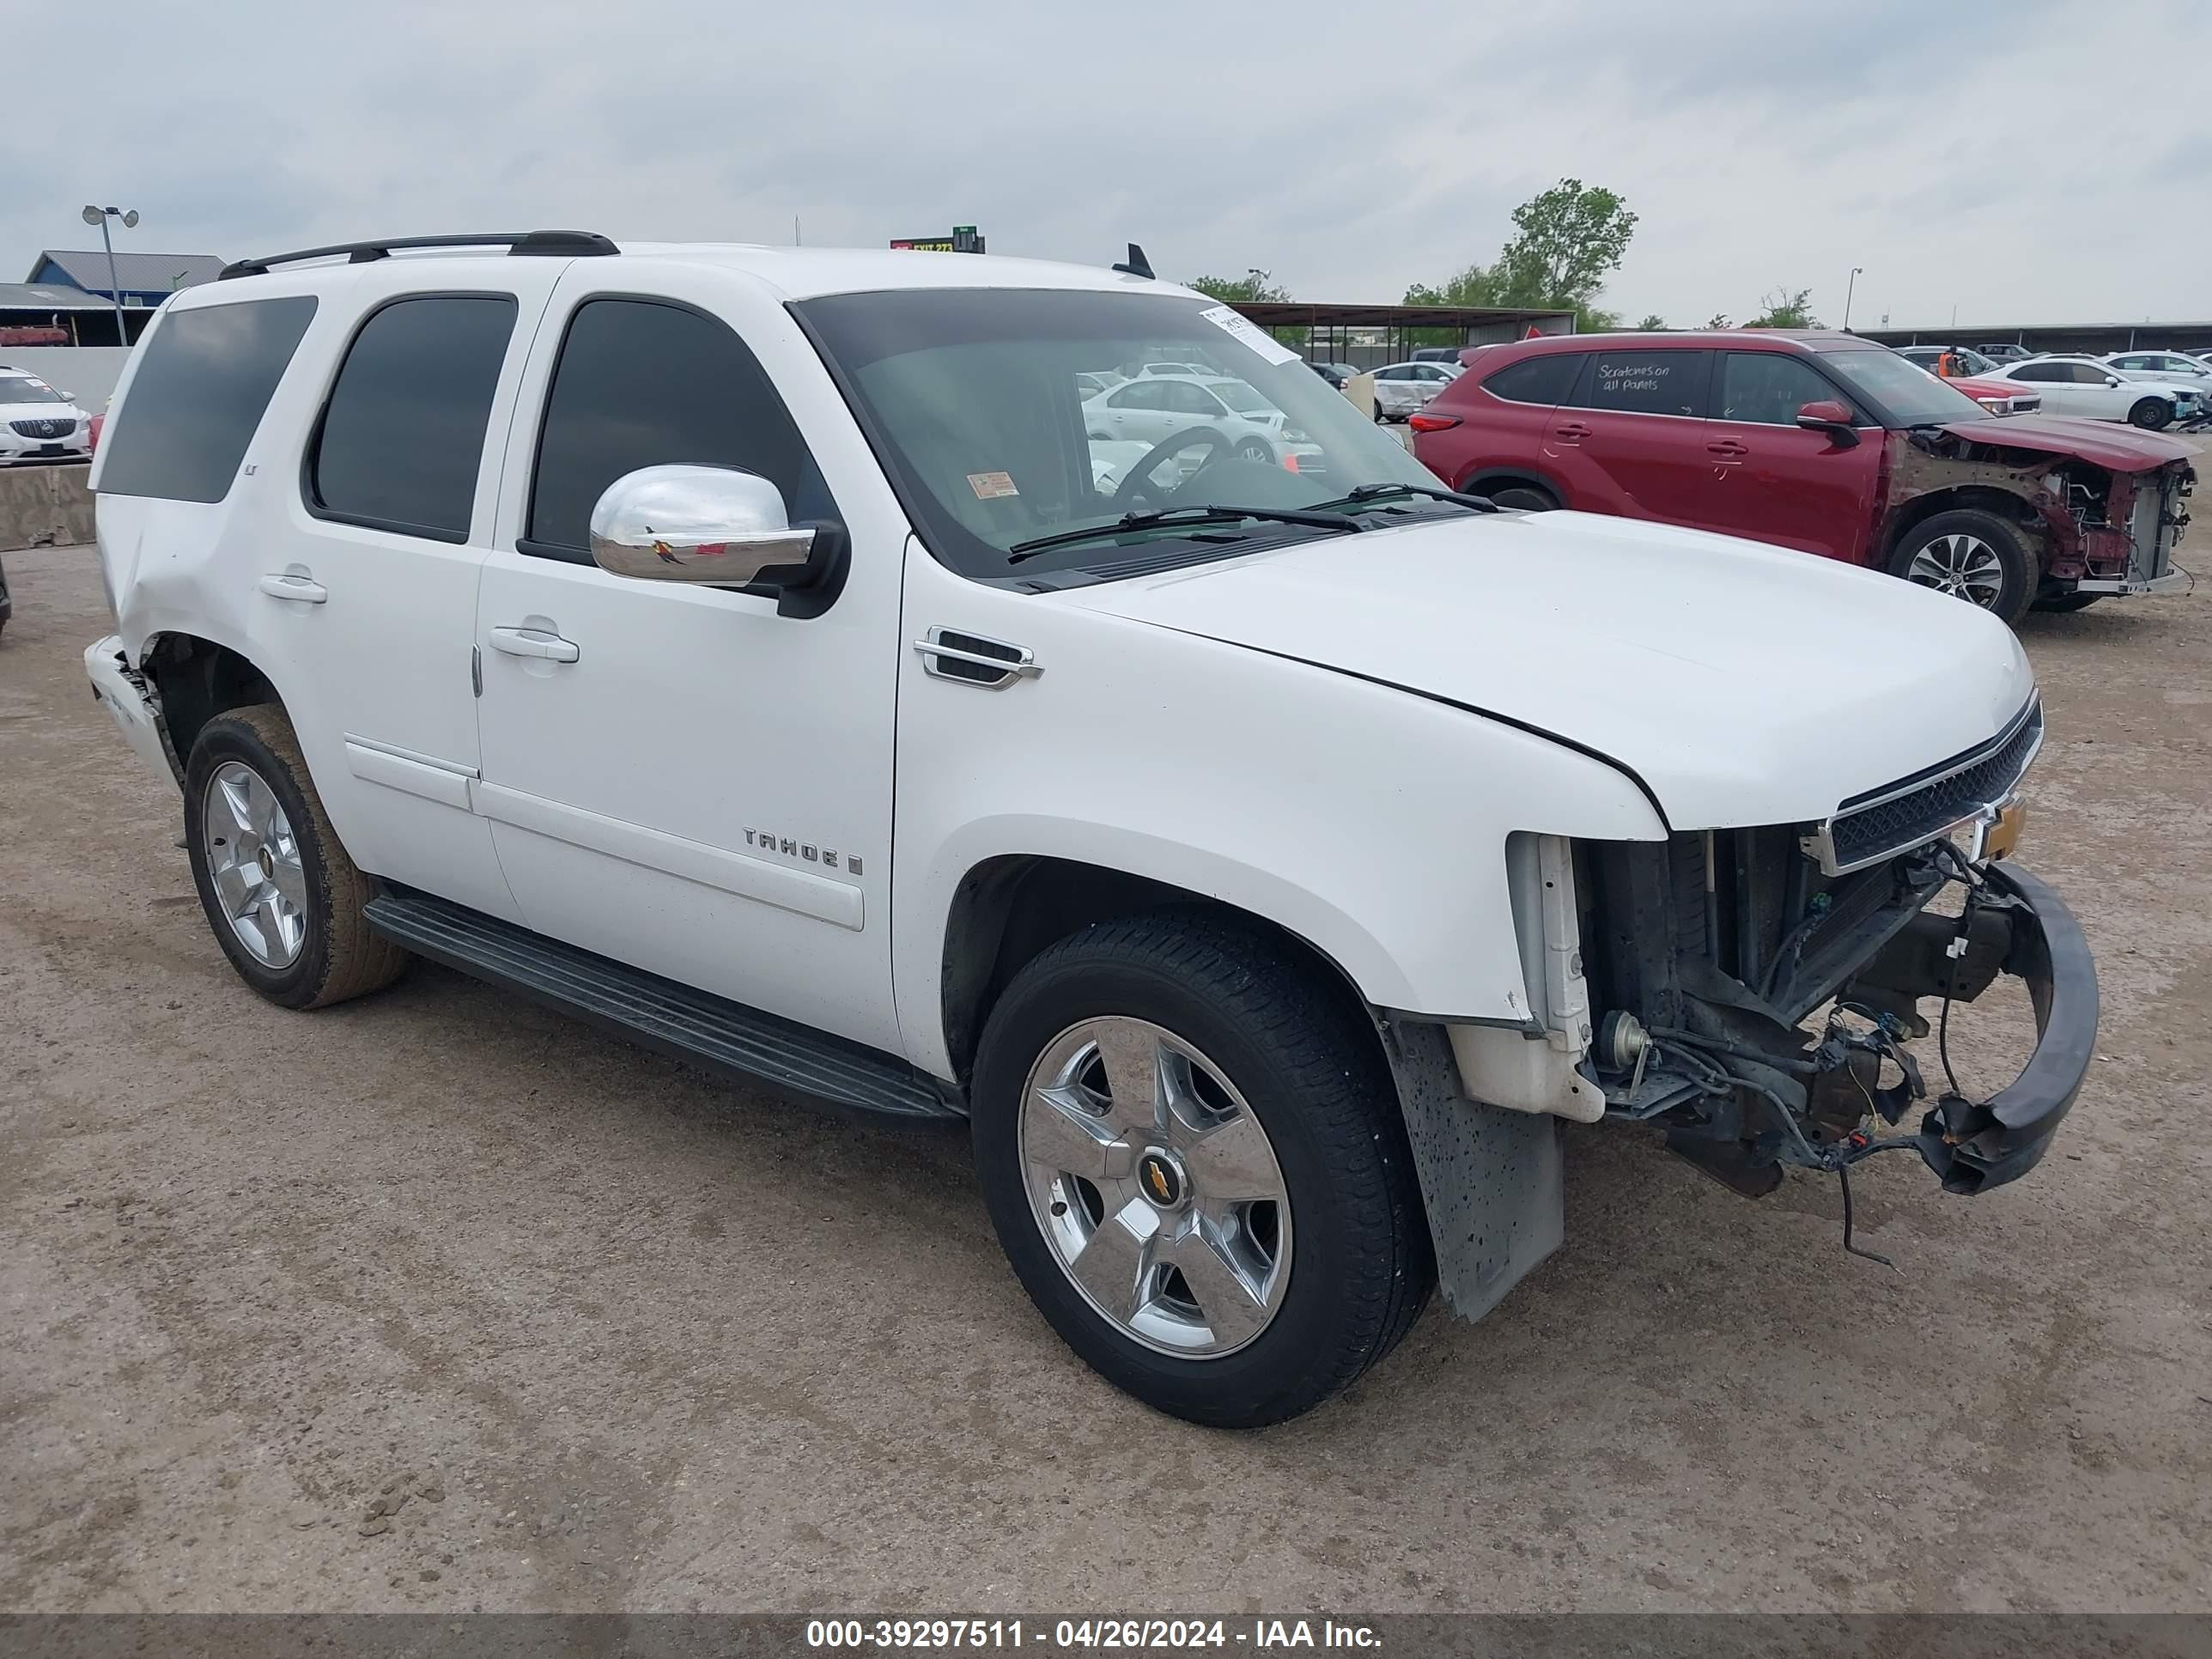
pixel 1964 874
pixel 1701 1057
pixel 1836 1160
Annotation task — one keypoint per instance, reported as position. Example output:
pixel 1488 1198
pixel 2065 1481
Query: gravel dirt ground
pixel 594 1333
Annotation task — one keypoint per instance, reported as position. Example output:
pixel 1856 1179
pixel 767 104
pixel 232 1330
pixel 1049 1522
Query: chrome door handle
pixel 297 585
pixel 1005 663
pixel 534 642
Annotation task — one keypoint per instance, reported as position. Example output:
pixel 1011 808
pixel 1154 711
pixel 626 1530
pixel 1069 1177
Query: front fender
pixel 1368 821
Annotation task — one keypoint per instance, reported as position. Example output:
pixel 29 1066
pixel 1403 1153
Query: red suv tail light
pixel 1424 422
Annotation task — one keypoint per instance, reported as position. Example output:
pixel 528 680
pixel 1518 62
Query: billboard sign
pixel 964 240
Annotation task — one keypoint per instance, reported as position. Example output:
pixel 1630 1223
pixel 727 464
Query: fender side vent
pixel 950 655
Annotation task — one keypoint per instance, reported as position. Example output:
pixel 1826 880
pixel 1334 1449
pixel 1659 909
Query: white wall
pixel 86 374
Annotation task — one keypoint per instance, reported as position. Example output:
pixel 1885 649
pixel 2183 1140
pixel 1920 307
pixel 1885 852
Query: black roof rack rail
pixel 561 243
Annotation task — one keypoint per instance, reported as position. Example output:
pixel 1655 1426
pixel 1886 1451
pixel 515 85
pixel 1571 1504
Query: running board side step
pixel 657 1014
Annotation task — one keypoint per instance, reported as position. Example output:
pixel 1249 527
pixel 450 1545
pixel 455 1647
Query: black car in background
pixel 1336 374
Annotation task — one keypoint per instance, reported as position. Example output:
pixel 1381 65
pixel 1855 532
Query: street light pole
pixel 1849 285
pixel 100 216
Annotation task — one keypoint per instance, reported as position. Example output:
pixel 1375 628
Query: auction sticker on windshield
pixel 1243 328
pixel 989 486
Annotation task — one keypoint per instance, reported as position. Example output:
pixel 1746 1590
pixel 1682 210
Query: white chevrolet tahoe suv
pixel 740 647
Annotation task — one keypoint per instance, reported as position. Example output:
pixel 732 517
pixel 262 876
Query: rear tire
pixel 298 934
pixel 1254 1033
pixel 1522 498
pixel 1972 556
pixel 2151 414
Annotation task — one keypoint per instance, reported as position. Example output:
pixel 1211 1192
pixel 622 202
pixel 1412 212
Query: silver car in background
pixel 1154 408
pixel 39 423
pixel 1402 388
pixel 2179 365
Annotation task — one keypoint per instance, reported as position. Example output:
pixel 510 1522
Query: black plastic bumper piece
pixel 1973 1147
pixel 659 1013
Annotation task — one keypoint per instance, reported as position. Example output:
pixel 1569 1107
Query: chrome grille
pixel 1915 811
pixel 43 428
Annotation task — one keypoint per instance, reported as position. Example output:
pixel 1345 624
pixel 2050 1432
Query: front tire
pixel 1191 1150
pixel 1972 556
pixel 286 903
pixel 2150 414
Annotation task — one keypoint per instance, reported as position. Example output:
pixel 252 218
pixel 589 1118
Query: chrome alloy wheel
pixel 1155 1188
pixel 253 859
pixel 1964 566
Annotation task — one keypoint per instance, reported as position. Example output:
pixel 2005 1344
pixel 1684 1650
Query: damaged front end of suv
pixel 2102 512
pixel 1706 956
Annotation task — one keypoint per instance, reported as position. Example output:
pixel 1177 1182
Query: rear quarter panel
pixel 1496 437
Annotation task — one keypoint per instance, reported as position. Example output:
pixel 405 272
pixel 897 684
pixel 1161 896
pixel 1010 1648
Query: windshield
pixel 20 389
pixel 1906 393
pixel 971 400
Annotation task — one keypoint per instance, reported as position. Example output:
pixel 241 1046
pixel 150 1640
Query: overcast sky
pixel 2037 160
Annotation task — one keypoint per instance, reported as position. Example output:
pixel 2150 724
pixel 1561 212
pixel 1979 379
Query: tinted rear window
pixel 402 435
pixel 1644 382
pixel 1546 380
pixel 201 389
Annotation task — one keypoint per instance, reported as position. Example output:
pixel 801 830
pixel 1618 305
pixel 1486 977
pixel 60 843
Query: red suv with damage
pixel 1823 442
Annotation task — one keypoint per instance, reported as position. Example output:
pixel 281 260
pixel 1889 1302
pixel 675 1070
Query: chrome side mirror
pixel 715 525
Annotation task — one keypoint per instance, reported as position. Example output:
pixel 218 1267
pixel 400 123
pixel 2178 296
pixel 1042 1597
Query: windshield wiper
pixel 1177 517
pixel 1377 492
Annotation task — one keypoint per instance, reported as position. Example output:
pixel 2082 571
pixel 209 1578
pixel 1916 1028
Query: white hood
pixel 13 409
pixel 1742 684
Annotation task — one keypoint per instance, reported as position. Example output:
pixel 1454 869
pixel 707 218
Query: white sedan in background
pixel 1153 408
pixel 1402 388
pixel 38 423
pixel 2090 386
pixel 2178 366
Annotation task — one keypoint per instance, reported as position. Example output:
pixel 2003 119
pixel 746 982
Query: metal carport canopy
pixel 1476 324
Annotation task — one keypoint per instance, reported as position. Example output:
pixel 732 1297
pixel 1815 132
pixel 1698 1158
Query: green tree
pixel 1718 320
pixel 1565 242
pixel 1786 308
pixel 1477 285
pixel 1253 285
pixel 1652 323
